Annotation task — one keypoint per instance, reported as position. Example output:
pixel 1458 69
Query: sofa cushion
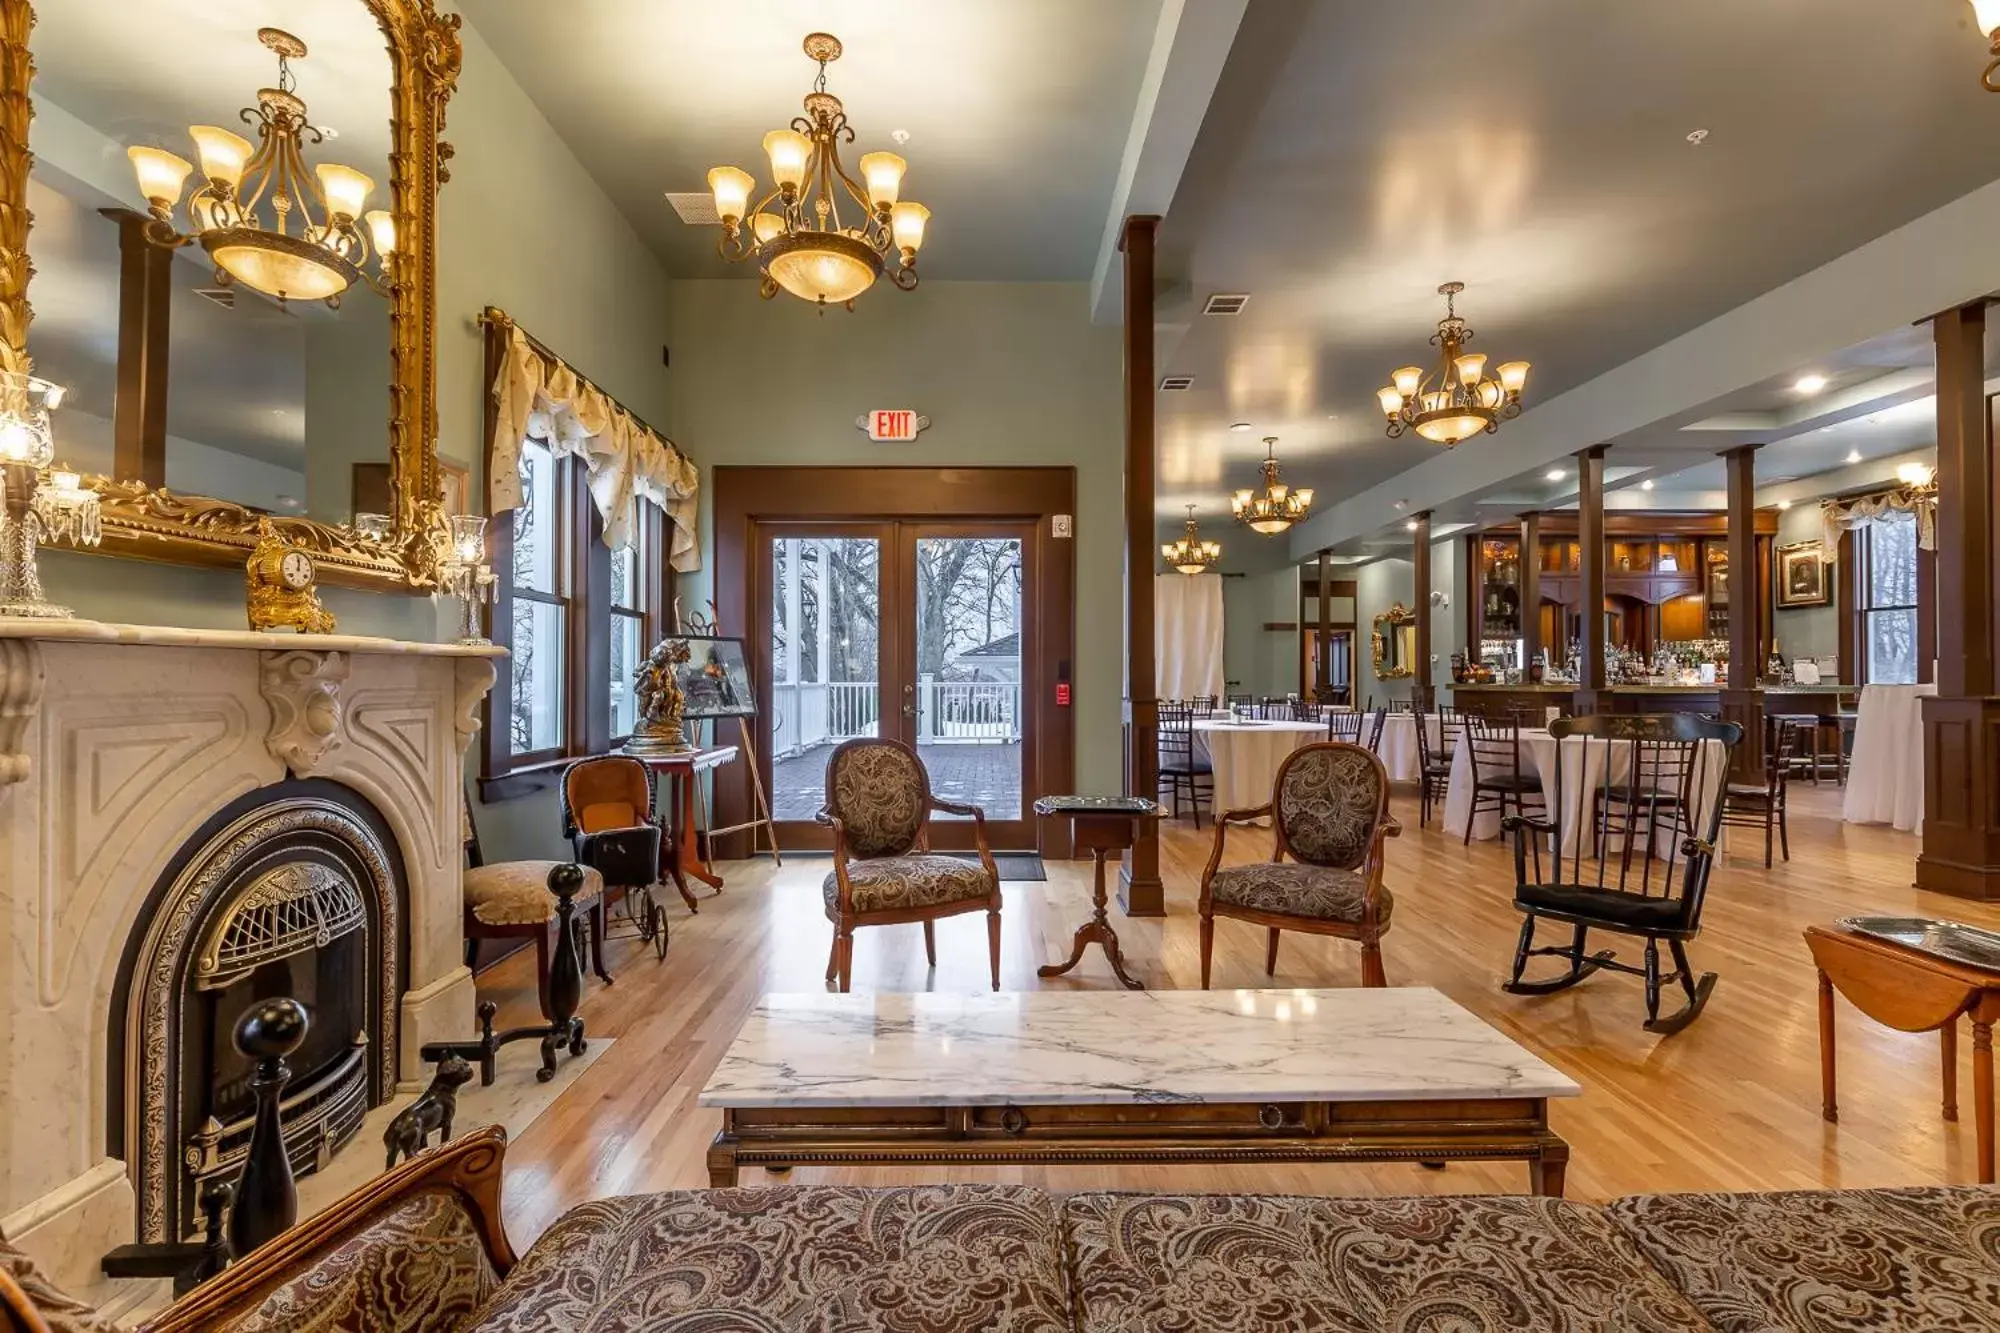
pixel 1888 1260
pixel 26 1293
pixel 827 1259
pixel 1243 1263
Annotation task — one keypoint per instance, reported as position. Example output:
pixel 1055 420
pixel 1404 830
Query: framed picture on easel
pixel 715 678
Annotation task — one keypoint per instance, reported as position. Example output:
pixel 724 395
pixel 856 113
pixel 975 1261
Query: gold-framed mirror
pixel 1394 643
pixel 205 397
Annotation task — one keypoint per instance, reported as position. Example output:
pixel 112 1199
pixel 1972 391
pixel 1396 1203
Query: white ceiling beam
pixel 1190 47
pixel 1938 261
pixel 1831 409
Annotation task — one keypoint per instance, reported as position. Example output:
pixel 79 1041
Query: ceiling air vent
pixel 696 207
pixel 1226 303
pixel 1176 383
pixel 222 296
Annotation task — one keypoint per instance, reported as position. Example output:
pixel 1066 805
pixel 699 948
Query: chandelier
pixel 1987 15
pixel 1192 555
pixel 1455 401
pixel 310 246
pixel 1278 506
pixel 797 233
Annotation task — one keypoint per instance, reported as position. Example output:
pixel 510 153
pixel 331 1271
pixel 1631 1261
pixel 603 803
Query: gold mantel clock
pixel 279 578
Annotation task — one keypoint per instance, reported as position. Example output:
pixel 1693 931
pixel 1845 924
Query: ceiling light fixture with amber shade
pixel 797 233
pixel 1277 506
pixel 1457 400
pixel 1191 555
pixel 263 219
pixel 1986 13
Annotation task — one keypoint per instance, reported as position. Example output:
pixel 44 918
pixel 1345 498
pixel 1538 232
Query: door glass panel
pixel 826 602
pixel 968 678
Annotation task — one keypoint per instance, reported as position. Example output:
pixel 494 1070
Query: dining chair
pixel 1498 779
pixel 1434 762
pixel 1762 804
pixel 1344 724
pixel 1402 705
pixel 1661 902
pixel 1180 766
pixel 1329 811
pixel 511 900
pixel 1380 721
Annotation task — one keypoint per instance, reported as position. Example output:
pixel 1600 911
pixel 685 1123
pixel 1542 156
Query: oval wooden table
pixel 1911 991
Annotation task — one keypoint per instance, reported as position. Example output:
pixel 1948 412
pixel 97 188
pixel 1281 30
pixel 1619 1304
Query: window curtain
pixel 1838 515
pixel 539 397
pixel 1187 635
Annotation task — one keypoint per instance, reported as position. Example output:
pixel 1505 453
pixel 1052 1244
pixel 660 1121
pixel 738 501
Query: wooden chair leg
pixel 930 944
pixel 1207 946
pixel 846 959
pixel 597 941
pixel 1770 818
pixel 1371 964
pixel 542 967
pixel 833 957
pixel 1784 836
pixel 993 944
pixel 1271 954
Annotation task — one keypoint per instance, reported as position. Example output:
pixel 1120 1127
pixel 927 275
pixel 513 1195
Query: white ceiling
pixel 1018 111
pixel 1358 154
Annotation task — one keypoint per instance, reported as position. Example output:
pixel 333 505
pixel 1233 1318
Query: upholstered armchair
pixel 1329 812
pixel 879 803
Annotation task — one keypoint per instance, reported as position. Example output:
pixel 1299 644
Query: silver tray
pixel 1941 939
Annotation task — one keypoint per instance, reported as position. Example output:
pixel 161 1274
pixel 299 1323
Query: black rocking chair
pixel 1636 784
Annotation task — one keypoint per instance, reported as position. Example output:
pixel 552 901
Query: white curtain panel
pixel 1187 630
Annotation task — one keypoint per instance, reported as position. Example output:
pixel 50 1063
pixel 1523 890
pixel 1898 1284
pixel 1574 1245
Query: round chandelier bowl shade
pixel 822 267
pixel 289 267
pixel 1452 427
pixel 1192 569
pixel 1270 527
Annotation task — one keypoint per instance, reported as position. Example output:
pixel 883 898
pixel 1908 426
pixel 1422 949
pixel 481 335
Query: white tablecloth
pixel 1885 776
pixel 1399 752
pixel 1245 757
pixel 1538 754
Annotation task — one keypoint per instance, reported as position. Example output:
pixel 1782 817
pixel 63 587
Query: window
pixel 539 618
pixel 1887 596
pixel 632 621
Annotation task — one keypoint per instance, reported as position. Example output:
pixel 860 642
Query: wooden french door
pixel 919 630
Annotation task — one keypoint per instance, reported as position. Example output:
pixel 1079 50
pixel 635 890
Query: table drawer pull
pixel 1013 1120
pixel 1270 1117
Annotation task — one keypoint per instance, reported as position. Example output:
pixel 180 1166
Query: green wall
pixel 1010 374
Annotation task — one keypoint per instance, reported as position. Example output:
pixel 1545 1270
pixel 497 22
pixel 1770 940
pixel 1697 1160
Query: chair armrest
pixel 972 812
pixel 978 818
pixel 1390 827
pixel 467 1168
pixel 1527 835
pixel 824 815
pixel 1222 823
pixel 1244 816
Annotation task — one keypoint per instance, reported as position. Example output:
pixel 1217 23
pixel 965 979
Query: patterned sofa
pixel 420 1250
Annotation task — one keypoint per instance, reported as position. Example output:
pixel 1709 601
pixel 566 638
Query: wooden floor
pixel 1732 1103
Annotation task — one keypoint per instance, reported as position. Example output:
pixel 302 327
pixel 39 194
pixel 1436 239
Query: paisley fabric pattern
pixel 877 791
pixel 897 883
pixel 1296 890
pixel 516 893
pixel 1328 801
pixel 937 1259
pixel 1248 1264
pixel 420 1267
pixel 1885 1261
pixel 58 1311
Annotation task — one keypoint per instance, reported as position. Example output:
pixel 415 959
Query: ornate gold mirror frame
pixel 1393 621
pixel 149 524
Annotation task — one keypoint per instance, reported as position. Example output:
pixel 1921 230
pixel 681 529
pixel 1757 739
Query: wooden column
pixel 1472 607
pixel 145 294
pixel 1531 588
pixel 1420 561
pixel 1743 696
pixel 1590 566
pixel 1323 654
pixel 1961 841
pixel 1140 892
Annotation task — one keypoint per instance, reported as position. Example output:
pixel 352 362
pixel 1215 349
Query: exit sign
pixel 892 425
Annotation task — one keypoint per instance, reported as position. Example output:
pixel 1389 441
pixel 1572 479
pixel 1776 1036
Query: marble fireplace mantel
pixel 117 744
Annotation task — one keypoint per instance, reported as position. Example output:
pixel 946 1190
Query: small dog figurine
pixel 407 1133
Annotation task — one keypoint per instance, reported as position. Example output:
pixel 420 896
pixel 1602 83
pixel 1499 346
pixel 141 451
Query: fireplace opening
pixel 295 891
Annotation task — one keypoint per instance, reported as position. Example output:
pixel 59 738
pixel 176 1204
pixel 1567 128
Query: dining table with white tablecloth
pixel 1538 756
pixel 1398 751
pixel 1244 757
pixel 1885 773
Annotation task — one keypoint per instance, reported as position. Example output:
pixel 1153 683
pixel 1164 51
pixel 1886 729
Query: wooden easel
pixel 761 805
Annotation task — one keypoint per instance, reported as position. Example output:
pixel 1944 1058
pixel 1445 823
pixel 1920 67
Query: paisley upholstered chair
pixel 879 803
pixel 1330 814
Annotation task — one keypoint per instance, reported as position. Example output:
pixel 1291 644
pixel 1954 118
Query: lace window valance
pixel 541 398
pixel 1836 516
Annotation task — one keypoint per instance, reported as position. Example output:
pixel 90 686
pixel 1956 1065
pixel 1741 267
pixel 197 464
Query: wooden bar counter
pixel 1531 701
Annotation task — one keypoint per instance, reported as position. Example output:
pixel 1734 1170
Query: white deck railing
pixel 948 713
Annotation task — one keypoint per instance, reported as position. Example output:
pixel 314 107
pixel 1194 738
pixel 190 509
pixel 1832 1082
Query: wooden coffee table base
pixel 1102 1135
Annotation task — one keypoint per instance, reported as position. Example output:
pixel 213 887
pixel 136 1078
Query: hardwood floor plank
pixel 1731 1103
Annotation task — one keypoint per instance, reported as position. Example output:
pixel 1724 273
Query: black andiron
pixel 559 1005
pixel 264 1202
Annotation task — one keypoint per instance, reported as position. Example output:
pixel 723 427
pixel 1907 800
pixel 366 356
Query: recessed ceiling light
pixel 1854 455
pixel 1697 137
pixel 900 136
pixel 1554 474
pixel 1809 384
pixel 1240 426
pixel 1401 503
pixel 1646 485
pixel 1411 525
pixel 1784 504
pixel 327 132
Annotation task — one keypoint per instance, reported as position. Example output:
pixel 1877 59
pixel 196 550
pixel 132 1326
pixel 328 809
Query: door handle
pixel 909 710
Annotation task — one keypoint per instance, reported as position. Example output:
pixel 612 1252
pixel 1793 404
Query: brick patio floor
pixel 988 776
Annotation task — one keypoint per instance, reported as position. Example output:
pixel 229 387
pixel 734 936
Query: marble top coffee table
pixel 1096 1077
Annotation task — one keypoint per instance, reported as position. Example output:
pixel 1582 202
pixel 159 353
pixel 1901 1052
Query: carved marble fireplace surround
pixel 117 744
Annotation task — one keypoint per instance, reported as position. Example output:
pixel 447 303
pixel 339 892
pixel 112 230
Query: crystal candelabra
pixel 43 504
pixel 465 573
